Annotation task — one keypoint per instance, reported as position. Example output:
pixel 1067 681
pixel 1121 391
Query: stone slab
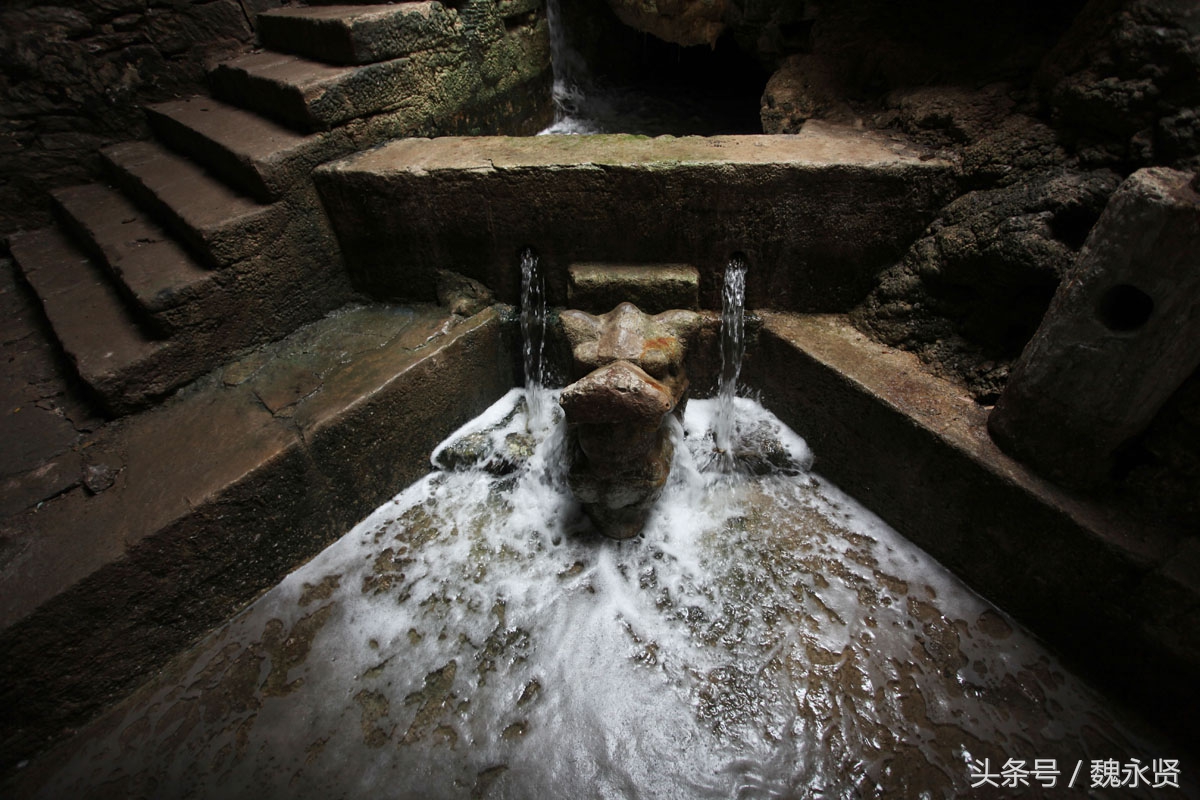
pixel 915 449
pixel 104 343
pixel 216 498
pixel 222 226
pixel 1121 334
pixel 153 271
pixel 252 153
pixel 359 34
pixel 816 214
pixel 599 288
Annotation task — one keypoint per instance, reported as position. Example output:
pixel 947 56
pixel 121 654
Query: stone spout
pixel 630 378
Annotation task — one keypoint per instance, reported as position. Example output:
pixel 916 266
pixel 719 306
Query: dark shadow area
pixel 632 82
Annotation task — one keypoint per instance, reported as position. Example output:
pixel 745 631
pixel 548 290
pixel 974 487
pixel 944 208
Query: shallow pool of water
pixel 765 637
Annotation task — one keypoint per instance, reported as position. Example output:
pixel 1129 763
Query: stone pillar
pixel 1122 333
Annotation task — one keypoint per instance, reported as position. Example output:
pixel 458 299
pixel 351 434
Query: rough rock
pixel 98 477
pixel 969 294
pixel 1121 336
pixel 685 22
pixel 1121 84
pixel 464 296
pixel 617 392
pixel 470 204
pixel 986 130
pixel 1163 464
pixel 804 87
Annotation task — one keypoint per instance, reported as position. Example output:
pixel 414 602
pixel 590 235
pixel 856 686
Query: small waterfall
pixel 533 338
pixel 733 347
pixel 569 76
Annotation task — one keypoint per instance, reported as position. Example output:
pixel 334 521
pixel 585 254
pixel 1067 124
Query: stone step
pixel 310 95
pixel 653 288
pixel 108 349
pixel 222 226
pixel 165 283
pixel 359 34
pixel 504 9
pixel 248 151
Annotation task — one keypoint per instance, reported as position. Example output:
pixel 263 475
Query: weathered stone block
pixel 598 288
pixel 817 214
pixel 1122 333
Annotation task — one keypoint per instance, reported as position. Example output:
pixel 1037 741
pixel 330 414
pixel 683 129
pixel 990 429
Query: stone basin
pixel 217 712
pixel 473 639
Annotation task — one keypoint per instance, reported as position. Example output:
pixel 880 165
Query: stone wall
pixel 73 77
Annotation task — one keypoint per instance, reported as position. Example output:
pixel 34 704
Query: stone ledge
pixel 817 214
pixel 219 494
pixel 653 288
pixel 915 450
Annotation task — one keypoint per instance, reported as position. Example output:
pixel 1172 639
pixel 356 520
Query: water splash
pixel 733 348
pixel 767 638
pixel 533 338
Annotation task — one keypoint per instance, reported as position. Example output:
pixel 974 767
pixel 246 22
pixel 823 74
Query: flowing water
pixel 765 637
pixel 586 104
pixel 569 72
pixel 533 341
pixel 733 348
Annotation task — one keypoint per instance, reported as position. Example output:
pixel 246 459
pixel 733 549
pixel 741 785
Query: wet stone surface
pixel 765 637
pixel 42 416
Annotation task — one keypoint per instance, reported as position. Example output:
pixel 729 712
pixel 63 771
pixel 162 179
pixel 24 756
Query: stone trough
pixel 816 215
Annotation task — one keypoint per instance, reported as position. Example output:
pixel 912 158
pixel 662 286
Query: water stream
pixel 765 637
pixel 733 348
pixel 585 103
pixel 570 99
pixel 533 341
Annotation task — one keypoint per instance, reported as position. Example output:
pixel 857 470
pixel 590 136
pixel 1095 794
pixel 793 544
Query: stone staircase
pixel 211 238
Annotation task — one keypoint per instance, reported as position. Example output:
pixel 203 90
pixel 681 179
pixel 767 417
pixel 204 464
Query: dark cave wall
pixel 74 75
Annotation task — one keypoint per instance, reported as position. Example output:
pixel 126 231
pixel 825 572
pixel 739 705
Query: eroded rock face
pixel 633 378
pixel 462 295
pixel 990 132
pixel 1121 84
pixel 804 87
pixel 971 292
pixel 685 22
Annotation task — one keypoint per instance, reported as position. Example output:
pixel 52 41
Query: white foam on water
pixel 765 637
